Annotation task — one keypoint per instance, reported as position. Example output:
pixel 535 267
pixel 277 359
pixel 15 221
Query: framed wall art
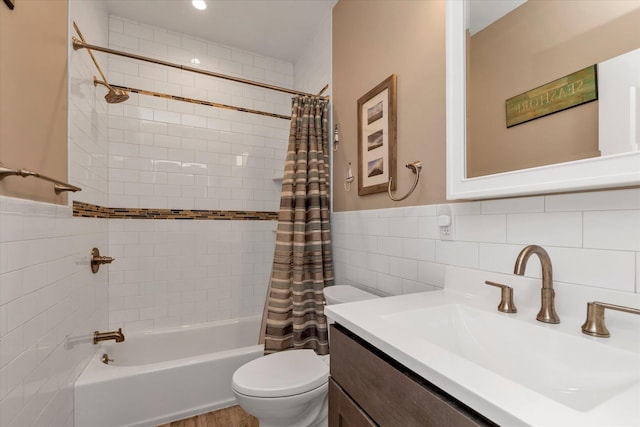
pixel 377 138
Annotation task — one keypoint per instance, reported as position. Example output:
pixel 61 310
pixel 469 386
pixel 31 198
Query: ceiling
pixel 483 13
pixel 274 28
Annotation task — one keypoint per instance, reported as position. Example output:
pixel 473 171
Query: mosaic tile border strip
pixel 87 210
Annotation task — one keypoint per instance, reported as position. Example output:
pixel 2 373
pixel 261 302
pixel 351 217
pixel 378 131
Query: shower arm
pixel 95 62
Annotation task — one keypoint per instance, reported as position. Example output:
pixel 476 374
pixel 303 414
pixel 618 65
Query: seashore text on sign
pixel 566 92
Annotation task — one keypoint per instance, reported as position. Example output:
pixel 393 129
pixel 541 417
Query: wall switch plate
pixel 445 222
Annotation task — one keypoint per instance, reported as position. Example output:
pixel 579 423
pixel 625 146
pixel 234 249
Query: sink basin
pixel 575 371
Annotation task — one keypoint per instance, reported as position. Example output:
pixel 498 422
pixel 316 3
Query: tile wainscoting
pixel 593 239
pixel 50 304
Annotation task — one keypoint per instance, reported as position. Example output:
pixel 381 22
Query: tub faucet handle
pixel 506 301
pixel 97 260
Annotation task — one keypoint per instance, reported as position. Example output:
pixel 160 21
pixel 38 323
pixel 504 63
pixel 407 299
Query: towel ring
pixel 415 167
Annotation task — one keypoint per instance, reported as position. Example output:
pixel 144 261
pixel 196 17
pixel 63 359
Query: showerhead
pixel 114 96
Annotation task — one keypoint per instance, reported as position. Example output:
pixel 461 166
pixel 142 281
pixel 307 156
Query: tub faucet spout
pixel 547 313
pixel 118 336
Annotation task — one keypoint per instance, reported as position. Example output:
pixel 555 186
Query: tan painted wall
pixel 373 39
pixel 33 96
pixel 517 54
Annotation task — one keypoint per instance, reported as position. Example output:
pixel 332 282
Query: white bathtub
pixel 165 375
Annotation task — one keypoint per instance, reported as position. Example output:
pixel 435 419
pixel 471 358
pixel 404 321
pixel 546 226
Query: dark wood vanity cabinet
pixel 343 411
pixel 368 388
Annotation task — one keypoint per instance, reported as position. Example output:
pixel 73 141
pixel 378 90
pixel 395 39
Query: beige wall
pixel 373 39
pixel 539 42
pixel 33 96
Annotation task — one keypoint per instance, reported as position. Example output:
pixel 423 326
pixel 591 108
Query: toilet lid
pixel 338 294
pixel 286 373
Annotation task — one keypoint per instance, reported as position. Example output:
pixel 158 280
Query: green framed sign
pixel 566 92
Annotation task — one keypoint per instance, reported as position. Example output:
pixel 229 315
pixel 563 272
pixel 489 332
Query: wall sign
pixel 566 92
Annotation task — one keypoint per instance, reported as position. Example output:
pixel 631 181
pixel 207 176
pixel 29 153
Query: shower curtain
pixel 302 264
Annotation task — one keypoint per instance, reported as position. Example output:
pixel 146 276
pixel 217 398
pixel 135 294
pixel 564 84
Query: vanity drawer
pixel 389 393
pixel 343 411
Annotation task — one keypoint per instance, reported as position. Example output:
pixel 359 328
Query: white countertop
pixel 496 396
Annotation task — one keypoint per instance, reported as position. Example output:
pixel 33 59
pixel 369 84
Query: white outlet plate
pixel 446 232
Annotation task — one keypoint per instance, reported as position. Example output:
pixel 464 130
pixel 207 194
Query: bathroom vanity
pixel 367 388
pixel 449 357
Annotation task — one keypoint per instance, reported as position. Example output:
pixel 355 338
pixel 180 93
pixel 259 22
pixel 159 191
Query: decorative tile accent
pixel 88 210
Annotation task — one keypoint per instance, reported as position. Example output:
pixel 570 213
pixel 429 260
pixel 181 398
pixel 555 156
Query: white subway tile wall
pixel 178 272
pixel 50 304
pixel 88 132
pixel 171 154
pixel 593 239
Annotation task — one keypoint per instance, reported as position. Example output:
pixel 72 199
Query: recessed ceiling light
pixel 199 4
pixel 195 61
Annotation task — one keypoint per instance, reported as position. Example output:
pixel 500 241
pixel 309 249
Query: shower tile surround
pixel 593 239
pixel 50 303
pixel 176 155
pixel 167 156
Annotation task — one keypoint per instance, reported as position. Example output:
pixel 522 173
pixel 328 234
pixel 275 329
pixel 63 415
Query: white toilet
pixel 289 388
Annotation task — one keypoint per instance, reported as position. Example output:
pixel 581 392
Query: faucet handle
pixel 594 325
pixel 97 260
pixel 506 301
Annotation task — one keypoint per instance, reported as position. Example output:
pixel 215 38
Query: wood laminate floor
pixel 227 417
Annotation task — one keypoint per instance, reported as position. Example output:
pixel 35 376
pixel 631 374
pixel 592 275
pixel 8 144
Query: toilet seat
pixel 282 374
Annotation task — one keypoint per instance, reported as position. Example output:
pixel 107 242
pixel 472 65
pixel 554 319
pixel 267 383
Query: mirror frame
pixel 619 170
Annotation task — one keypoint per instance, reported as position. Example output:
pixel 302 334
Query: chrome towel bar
pixel 58 186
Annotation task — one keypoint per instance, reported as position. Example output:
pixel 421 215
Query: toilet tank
pixel 339 294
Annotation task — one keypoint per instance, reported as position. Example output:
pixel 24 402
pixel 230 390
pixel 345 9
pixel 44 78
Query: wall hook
pixel 415 167
pixel 348 179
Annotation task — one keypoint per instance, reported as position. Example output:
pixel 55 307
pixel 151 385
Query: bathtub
pixel 165 375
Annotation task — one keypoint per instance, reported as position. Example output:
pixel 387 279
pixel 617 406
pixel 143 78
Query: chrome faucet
pixel 104 336
pixel 547 313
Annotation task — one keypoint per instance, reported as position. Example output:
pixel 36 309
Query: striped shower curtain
pixel 302 264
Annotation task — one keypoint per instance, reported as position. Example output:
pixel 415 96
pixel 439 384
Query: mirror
pixel 576 168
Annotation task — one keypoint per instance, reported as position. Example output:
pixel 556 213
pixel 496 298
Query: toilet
pixel 290 388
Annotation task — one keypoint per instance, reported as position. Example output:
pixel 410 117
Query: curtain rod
pixel 79 44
